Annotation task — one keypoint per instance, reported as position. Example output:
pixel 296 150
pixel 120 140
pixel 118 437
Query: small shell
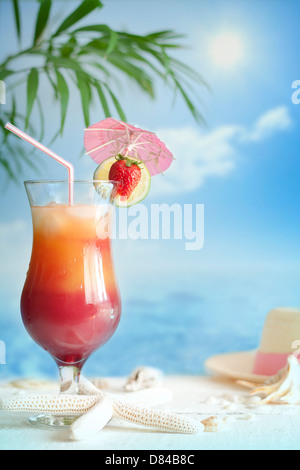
pixel 212 424
pixel 246 384
pixel 143 377
pixel 32 384
pixel 283 388
pixel 100 383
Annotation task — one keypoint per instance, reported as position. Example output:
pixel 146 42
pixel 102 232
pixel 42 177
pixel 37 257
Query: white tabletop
pixel 245 426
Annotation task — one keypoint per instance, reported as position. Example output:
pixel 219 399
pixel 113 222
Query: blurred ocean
pixel 174 328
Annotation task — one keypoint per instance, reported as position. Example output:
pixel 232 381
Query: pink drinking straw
pixel 44 149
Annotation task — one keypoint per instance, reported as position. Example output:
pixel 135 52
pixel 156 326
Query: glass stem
pixel 69 379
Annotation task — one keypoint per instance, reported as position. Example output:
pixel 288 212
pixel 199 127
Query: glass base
pixel 52 422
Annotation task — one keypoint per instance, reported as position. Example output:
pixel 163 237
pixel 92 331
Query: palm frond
pixel 97 59
pixel 42 19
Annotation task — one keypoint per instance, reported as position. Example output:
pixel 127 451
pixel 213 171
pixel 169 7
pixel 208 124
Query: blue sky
pixel 248 182
pixel 244 166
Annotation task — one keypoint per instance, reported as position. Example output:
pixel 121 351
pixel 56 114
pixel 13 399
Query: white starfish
pixel 97 408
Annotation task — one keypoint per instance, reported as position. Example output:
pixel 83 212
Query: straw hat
pixel 280 338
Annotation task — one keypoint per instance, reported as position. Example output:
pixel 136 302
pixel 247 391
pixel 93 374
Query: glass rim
pixel 52 181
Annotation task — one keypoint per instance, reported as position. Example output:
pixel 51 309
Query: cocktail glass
pixel 70 302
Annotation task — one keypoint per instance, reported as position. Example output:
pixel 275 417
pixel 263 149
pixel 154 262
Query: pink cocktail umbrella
pixel 110 137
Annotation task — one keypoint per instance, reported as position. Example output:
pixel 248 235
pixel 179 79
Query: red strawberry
pixel 128 173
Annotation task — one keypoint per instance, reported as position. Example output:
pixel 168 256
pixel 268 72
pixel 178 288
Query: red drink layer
pixel 70 303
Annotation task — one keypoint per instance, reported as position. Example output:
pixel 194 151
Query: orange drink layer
pixel 70 303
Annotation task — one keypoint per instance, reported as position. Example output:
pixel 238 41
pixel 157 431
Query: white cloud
pixel 275 120
pixel 200 155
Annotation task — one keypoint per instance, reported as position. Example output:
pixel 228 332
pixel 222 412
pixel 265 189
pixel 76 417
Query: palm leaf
pixel 168 34
pixel 32 88
pixel 139 75
pixel 5 73
pixel 56 61
pixel 113 40
pixel 103 99
pixel 97 46
pixel 198 117
pixel 98 28
pixel 68 49
pixel 108 35
pixel 17 17
pixel 42 119
pixel 13 110
pixel 42 19
pixel 189 72
pixel 95 57
pixel 63 91
pixel 85 93
pixel 53 84
pixel 86 7
pixel 117 104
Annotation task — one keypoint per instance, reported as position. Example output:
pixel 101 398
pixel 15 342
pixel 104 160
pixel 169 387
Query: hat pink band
pixel 269 363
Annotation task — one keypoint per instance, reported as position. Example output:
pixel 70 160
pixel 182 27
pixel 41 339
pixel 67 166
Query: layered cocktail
pixel 70 303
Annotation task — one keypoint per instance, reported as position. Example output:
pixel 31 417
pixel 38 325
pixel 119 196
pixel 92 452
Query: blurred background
pixel 236 141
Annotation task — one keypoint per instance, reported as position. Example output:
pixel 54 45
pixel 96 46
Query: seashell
pixel 32 384
pixel 143 377
pixel 212 424
pixel 246 384
pixel 100 383
pixel 283 388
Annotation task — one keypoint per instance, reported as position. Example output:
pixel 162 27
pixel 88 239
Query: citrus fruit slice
pixel 137 195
